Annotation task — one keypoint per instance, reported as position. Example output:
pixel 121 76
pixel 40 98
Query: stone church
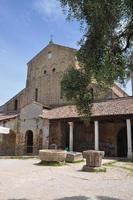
pixel 38 116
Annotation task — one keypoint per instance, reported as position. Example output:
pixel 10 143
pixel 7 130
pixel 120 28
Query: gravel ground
pixel 23 180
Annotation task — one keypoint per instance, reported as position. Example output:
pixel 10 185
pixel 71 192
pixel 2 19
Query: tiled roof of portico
pixel 7 116
pixel 119 106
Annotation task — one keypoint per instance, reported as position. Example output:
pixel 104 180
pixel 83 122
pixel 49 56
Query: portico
pixel 109 130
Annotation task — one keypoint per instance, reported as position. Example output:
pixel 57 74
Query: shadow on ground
pixel 75 198
pixel 106 198
pixel 19 199
pixel 81 198
pixel 88 198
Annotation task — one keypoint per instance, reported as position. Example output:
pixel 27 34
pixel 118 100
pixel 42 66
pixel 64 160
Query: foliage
pixel 104 48
pixel 51 163
pixel 75 87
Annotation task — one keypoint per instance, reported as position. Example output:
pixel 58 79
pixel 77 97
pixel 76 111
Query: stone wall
pixel 8 142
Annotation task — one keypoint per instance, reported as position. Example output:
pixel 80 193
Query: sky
pixel 25 28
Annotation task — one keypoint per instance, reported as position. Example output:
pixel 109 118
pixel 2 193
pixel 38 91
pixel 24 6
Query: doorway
pixel 29 141
pixel 122 142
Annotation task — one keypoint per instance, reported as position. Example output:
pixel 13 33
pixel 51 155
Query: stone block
pixel 74 157
pixel 52 155
pixel 93 158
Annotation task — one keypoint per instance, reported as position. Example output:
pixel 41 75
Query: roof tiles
pixel 119 106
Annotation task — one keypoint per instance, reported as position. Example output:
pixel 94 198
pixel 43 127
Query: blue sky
pixel 25 28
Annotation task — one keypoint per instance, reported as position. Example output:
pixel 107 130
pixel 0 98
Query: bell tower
pixel 131 63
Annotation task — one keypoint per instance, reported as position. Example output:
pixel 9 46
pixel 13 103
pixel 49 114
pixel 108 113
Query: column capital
pixel 70 123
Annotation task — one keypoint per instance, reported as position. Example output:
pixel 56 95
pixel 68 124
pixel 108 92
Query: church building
pixel 38 116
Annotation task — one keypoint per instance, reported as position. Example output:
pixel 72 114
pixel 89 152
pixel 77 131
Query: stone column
pixel 96 135
pixel 46 134
pixel 70 136
pixel 129 139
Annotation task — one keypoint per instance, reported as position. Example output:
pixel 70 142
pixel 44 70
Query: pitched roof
pixel 6 116
pixel 119 91
pixel 119 106
pixel 54 45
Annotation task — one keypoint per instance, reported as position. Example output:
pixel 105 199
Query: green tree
pixel 104 48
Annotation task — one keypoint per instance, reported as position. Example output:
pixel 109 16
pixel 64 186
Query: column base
pixel 87 168
pixel 130 155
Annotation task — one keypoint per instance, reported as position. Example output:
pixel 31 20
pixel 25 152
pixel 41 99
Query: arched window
pixel 15 104
pixel 36 94
pixel 49 55
pixel 53 70
pixel 45 72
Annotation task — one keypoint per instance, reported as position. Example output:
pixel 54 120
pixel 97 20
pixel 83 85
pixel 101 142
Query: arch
pixel 122 142
pixel 29 141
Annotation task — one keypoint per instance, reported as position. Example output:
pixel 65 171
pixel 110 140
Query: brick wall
pixel 84 135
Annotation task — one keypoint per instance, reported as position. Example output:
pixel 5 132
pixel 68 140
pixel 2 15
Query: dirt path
pixel 23 180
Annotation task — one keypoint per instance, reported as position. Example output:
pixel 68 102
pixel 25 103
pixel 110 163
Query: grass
pixel 110 164
pixel 18 157
pixel 116 164
pixel 127 168
pixel 50 163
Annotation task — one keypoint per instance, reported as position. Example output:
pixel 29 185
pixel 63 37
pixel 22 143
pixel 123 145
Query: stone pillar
pixel 129 139
pixel 70 136
pixel 96 135
pixel 46 134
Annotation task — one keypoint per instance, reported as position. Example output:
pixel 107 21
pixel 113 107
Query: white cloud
pixel 49 9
